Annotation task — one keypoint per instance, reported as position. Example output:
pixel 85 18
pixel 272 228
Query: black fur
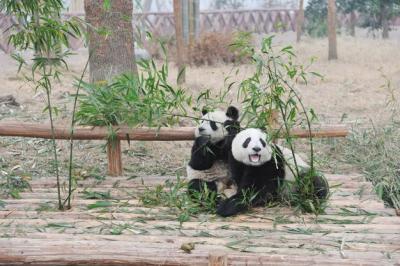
pixel 321 187
pixel 205 153
pixel 233 128
pixel 199 185
pixel 263 180
pixel 232 113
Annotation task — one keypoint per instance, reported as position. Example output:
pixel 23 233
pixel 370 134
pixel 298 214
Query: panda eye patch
pixel 246 142
pixel 213 125
pixel 263 143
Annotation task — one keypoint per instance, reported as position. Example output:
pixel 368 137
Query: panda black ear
pixel 232 112
pixel 204 111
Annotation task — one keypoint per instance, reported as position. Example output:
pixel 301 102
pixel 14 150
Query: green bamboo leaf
pixel 107 5
pixel 100 204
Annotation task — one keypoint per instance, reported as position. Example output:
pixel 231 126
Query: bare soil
pixel 352 90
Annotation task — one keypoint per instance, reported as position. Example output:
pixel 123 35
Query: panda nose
pixel 201 129
pixel 256 149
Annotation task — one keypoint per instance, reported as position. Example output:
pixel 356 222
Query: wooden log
pixel 8 100
pixel 114 156
pixel 35 130
pixel 217 259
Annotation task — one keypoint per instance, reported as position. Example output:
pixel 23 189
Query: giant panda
pixel 259 166
pixel 209 155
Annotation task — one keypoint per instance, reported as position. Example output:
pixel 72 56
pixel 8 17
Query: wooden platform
pixel 357 230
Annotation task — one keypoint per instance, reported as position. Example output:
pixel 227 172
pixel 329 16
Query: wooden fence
pixel 18 129
pixel 258 21
pixel 163 23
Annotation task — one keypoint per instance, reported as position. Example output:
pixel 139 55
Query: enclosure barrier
pixel 34 130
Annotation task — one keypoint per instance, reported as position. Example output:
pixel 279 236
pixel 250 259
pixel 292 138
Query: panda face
pixel 251 147
pixel 212 126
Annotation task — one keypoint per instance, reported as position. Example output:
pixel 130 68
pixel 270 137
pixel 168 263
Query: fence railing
pixel 114 155
pixel 163 23
pixel 257 20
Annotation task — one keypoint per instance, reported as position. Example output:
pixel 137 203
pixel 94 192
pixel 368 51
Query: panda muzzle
pixel 254 158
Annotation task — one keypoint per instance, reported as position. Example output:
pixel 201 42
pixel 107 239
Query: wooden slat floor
pixel 357 229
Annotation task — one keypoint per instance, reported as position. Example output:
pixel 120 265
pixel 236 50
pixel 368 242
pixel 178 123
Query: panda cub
pixel 257 166
pixel 210 150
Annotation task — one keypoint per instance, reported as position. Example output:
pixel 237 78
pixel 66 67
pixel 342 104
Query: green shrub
pixel 147 100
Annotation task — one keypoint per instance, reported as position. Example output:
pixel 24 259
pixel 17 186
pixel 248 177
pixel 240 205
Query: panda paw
pixel 202 141
pixel 230 207
pixel 233 127
pixel 321 187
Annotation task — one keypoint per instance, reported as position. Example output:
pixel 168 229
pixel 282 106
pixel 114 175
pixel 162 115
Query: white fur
pixel 242 154
pixel 215 136
pixel 288 156
pixel 218 173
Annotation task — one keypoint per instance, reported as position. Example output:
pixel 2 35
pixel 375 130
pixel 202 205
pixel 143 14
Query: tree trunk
pixel 113 48
pixel 300 21
pixel 194 21
pixel 385 19
pixel 353 23
pixel 180 44
pixel 332 30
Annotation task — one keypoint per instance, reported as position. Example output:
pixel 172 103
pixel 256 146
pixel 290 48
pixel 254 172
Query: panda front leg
pixel 239 202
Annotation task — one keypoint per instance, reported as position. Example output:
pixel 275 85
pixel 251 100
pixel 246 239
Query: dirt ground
pixel 352 90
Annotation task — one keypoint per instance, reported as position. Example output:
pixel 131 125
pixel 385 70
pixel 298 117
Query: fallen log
pixel 8 100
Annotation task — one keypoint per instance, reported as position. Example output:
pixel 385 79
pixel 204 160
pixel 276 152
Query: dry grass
pixel 213 48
